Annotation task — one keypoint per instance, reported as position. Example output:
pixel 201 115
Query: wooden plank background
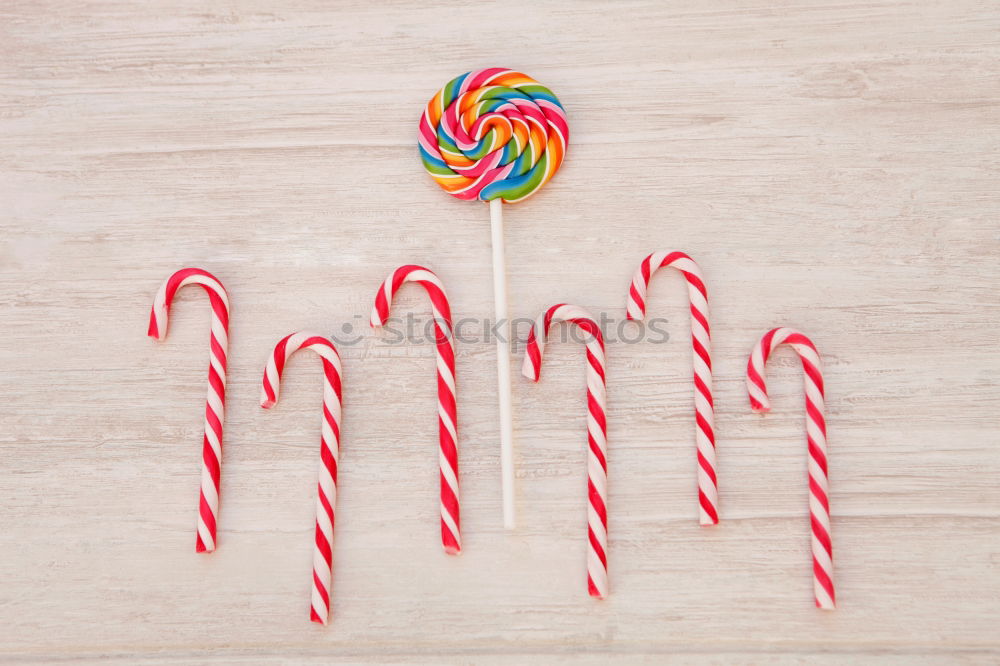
pixel 832 166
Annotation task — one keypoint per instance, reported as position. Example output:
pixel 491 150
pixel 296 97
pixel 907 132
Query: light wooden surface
pixel 832 166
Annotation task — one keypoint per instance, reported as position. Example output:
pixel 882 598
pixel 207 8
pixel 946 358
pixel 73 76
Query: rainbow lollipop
pixel 495 135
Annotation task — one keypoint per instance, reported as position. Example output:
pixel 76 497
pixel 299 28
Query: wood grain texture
pixel 832 166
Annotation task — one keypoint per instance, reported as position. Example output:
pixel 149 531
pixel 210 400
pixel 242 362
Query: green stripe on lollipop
pixel 518 187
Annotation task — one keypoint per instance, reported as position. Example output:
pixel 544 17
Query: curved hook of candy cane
pixel 597 430
pixel 451 537
pixel 819 484
pixel 326 496
pixel 701 342
pixel 215 407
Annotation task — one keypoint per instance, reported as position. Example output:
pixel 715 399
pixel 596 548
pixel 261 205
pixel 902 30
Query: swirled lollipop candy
pixel 495 135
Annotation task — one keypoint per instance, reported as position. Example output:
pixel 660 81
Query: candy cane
pixel 701 340
pixel 819 494
pixel 326 496
pixel 597 456
pixel 447 408
pixel 215 408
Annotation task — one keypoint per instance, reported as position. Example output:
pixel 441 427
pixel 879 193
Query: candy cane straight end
pixel 317 618
pixel 450 532
pixel 152 331
pixel 596 592
pixel 825 596
pixel 201 548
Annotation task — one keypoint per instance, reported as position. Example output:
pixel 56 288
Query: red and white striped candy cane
pixel 597 430
pixel 326 494
pixel 215 408
pixel 819 484
pixel 701 340
pixel 451 536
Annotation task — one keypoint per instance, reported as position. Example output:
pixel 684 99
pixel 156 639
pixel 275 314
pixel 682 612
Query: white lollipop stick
pixel 503 365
